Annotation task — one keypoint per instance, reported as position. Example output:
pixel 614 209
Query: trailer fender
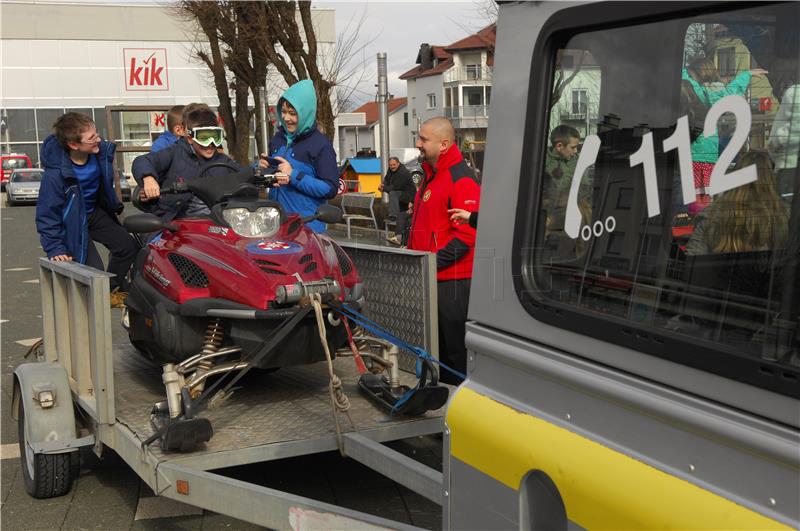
pixel 46 398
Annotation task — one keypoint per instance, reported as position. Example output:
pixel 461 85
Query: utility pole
pixel 383 108
pixel 262 115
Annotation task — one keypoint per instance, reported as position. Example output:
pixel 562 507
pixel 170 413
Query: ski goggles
pixel 205 136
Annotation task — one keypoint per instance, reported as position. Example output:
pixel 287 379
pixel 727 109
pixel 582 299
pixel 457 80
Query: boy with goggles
pixel 205 136
pixel 182 161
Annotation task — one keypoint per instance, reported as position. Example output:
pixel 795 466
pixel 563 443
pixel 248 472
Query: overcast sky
pixel 398 28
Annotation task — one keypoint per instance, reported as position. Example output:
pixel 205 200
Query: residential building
pixel 454 81
pixel 577 82
pixel 354 138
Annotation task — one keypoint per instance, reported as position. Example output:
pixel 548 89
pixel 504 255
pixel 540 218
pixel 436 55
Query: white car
pixel 23 186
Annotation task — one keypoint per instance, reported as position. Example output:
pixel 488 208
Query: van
pixel 11 162
pixel 617 377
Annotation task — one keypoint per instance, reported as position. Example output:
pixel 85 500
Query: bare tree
pixel 487 10
pixel 235 69
pixel 245 39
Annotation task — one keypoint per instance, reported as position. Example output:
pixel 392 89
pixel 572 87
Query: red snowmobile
pixel 230 292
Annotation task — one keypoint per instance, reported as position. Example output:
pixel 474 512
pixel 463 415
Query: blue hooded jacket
pixel 164 140
pixel 60 211
pixel 315 176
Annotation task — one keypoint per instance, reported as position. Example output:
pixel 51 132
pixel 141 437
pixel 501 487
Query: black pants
pixel 453 301
pixel 401 227
pixel 121 246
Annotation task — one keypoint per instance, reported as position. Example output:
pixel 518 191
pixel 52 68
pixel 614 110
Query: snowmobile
pixel 219 295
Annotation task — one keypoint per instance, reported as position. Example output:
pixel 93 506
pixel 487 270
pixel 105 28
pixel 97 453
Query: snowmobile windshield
pixel 213 189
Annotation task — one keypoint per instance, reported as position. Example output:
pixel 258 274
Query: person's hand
pixel 410 208
pixel 758 72
pixel 284 167
pixel 281 179
pixel 380 187
pixel 151 188
pixel 61 258
pixel 262 161
pixel 459 216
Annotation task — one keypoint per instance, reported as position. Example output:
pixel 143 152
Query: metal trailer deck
pixel 271 416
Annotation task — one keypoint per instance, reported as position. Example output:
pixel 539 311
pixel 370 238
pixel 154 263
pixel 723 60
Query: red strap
pixel 356 356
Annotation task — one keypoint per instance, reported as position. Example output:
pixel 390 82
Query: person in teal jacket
pixel 703 77
pixel 308 173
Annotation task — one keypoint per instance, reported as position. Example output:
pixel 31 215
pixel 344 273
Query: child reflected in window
pixel 749 218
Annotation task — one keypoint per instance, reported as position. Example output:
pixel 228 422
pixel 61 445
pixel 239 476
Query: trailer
pixel 89 391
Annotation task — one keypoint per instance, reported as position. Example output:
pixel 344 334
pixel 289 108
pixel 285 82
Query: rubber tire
pixel 53 474
pixel 9 202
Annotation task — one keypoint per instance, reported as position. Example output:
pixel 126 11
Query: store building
pixel 57 57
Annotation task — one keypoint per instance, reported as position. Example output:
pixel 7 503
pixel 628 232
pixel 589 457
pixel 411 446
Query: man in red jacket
pixel 449 183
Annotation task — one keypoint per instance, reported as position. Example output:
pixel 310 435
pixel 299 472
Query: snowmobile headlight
pixel 261 223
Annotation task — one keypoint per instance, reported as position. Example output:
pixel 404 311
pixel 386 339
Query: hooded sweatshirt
pixel 315 176
pixel 61 218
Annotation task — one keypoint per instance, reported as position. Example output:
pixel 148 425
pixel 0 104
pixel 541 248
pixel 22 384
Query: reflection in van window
pixel 674 213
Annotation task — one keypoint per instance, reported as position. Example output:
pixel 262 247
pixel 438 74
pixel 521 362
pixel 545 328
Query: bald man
pixel 449 183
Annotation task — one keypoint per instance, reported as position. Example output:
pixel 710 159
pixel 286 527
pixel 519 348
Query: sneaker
pixel 118 298
pixel 394 239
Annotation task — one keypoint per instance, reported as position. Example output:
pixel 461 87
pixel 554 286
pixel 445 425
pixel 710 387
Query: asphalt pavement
pixel 108 495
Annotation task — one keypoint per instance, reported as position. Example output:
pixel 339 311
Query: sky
pixel 398 28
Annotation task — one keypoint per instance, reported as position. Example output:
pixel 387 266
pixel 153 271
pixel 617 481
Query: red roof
pixel 373 112
pixel 482 40
pixel 417 71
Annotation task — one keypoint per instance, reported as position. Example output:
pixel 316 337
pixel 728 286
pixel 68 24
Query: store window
pixel 21 125
pixel 45 118
pixel 656 227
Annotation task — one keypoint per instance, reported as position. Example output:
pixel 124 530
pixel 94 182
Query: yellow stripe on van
pixel 601 488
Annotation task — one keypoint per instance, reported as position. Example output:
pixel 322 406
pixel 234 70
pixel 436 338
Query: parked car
pixel 23 186
pixel 11 162
pixel 415 168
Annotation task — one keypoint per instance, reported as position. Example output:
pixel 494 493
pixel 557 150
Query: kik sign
pixel 146 69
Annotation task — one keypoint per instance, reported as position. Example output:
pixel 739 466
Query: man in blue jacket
pixel 77 205
pixel 308 172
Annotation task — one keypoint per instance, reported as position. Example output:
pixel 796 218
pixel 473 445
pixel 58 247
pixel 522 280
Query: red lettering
pixel 134 77
pixel 155 73
pixel 160 120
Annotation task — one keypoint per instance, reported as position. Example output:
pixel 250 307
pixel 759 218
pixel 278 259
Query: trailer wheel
pixel 46 475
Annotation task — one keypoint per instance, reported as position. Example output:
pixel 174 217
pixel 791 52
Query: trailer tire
pixel 45 475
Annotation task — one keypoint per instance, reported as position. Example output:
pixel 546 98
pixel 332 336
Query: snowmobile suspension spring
pixel 213 337
pixel 211 343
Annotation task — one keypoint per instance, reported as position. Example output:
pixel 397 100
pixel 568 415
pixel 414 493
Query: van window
pixel 667 189
pixel 12 163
